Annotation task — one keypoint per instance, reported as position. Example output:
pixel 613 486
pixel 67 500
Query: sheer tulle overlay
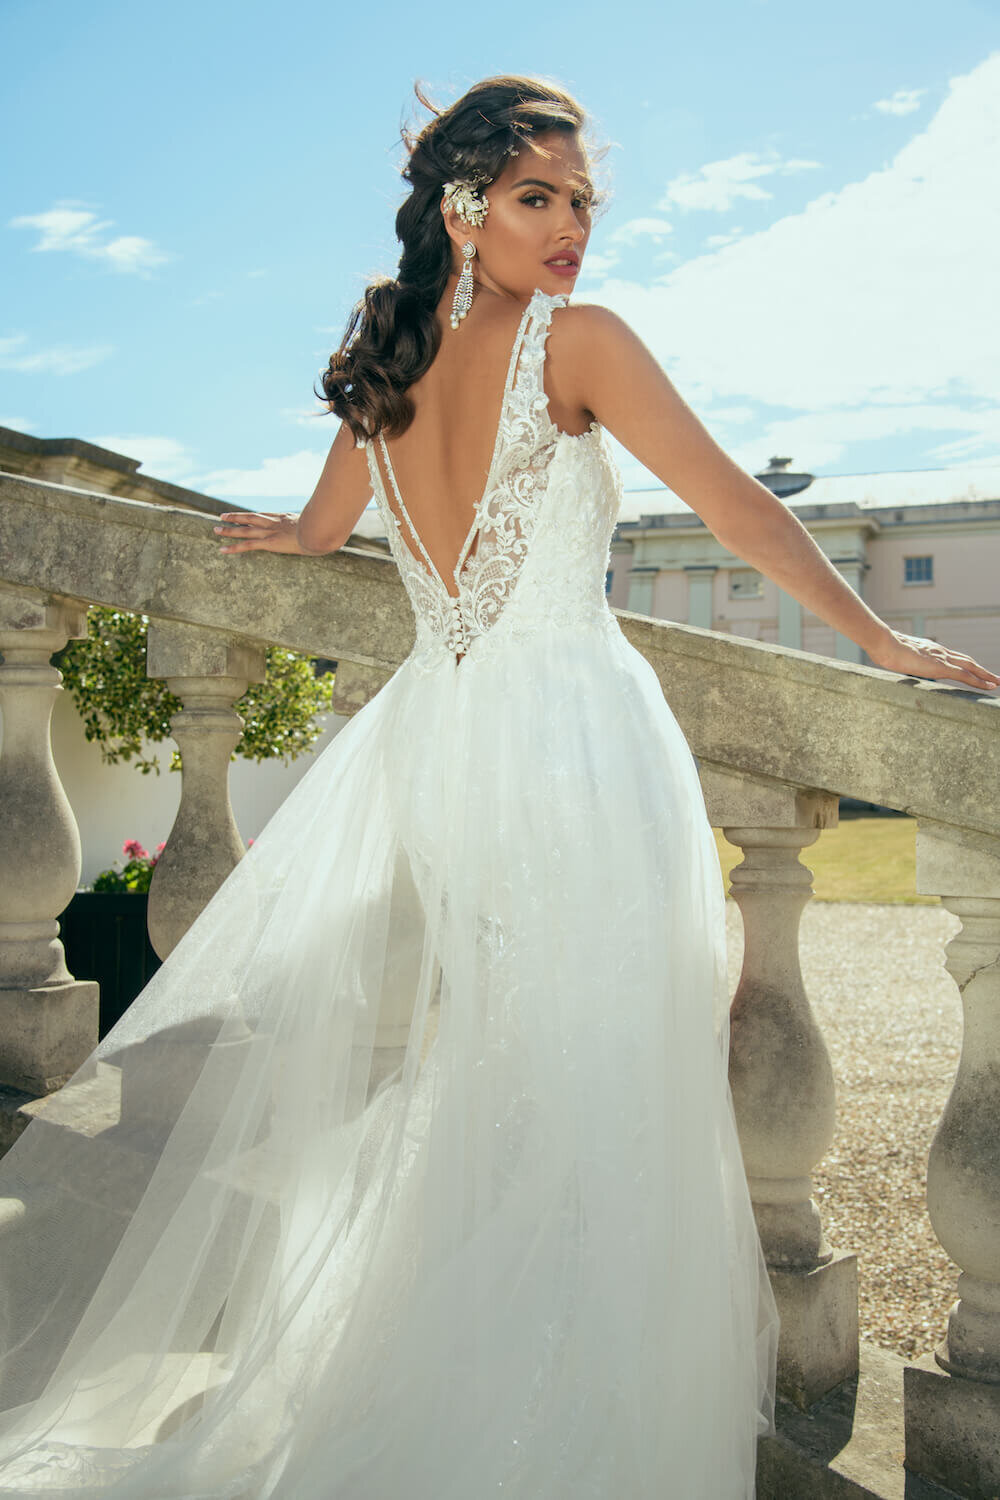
pixel 413 1171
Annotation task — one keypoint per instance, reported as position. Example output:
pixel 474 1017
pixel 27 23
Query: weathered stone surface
pixel 354 685
pixel 48 1022
pixel 848 1446
pixel 47 1031
pixel 166 563
pixel 740 799
pixel 930 749
pixel 819 1327
pixel 208 671
pixel 953 1430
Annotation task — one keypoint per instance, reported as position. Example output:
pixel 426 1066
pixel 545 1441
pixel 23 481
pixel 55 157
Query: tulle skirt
pixel 412 1174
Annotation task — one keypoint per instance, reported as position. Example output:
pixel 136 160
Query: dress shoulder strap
pixel 527 414
pixel 538 316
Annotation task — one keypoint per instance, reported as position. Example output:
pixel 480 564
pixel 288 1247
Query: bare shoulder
pixel 587 345
pixel 581 327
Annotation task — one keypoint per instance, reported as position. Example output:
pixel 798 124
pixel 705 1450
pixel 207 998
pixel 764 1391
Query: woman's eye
pixel 585 202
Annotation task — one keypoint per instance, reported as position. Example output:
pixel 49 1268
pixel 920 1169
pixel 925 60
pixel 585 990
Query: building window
pixel 745 583
pixel 918 570
pixel 607 580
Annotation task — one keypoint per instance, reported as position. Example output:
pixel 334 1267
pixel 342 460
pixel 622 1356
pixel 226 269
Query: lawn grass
pixel 862 859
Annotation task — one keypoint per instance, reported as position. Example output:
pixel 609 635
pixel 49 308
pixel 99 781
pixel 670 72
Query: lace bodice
pixel 539 545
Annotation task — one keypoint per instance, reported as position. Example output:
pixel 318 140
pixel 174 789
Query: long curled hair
pixel 392 334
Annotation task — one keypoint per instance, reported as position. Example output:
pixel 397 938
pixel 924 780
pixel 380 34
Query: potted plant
pixel 104 932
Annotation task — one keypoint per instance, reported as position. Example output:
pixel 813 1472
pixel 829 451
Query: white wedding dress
pixel 281 1237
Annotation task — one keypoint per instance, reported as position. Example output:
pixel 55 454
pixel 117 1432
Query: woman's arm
pixel 599 364
pixel 333 510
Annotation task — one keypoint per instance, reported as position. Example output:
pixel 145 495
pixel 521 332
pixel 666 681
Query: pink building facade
pixel 922 548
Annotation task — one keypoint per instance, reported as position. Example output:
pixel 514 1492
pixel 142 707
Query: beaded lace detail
pixel 494 554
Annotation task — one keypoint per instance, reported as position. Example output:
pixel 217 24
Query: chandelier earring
pixel 471 206
pixel 463 291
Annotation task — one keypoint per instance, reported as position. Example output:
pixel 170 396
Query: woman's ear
pixel 456 228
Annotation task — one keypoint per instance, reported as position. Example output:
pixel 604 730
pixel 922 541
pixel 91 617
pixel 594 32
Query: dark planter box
pixel 104 934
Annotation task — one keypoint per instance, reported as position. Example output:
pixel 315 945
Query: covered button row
pixel 457 639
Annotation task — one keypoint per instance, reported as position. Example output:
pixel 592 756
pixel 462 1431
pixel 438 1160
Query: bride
pixel 413 1170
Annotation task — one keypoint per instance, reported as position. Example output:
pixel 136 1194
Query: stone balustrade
pixel 779 735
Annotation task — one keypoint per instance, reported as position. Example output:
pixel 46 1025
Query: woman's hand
pixel 261 531
pixel 916 656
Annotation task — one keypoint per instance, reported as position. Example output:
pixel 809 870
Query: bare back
pixel 442 462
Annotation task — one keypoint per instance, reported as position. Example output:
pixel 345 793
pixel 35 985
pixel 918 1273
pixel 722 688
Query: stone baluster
pixel 207 670
pixel 781 1076
pixel 952 1398
pixel 355 684
pixel 48 1020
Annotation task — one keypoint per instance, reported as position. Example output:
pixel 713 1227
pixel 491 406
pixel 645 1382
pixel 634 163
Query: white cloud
pixel 717 185
pixel 313 417
pixel 295 474
pixel 881 294
pixel 596 264
pixel 819 439
pixel 627 234
pixel 715 241
pixel 72 227
pixel 162 457
pixel 58 360
pixel 130 252
pixel 64 228
pixel 19 424
pixel 902 102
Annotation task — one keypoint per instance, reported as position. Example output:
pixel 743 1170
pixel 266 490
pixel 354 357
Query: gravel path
pixel 891 1016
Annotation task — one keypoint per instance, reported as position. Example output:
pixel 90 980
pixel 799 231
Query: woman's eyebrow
pixel 540 182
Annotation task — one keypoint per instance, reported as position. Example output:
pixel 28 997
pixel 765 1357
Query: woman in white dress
pixel 279 1236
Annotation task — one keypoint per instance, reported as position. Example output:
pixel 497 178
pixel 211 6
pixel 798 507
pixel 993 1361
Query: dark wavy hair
pixel 392 334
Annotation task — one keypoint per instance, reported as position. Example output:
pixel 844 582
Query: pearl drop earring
pixel 463 291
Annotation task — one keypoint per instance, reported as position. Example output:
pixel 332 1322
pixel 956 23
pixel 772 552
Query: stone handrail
pixel 779 735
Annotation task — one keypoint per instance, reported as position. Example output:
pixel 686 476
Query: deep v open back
pixel 471 535
pixel 517 498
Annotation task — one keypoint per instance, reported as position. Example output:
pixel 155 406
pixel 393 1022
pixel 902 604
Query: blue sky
pixel 803 224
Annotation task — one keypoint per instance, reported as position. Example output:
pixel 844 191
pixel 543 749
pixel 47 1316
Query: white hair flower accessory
pixel 462 197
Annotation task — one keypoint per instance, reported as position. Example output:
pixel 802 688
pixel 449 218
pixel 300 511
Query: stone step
pixel 849 1446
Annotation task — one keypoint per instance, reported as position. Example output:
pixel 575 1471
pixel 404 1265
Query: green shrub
pixel 105 674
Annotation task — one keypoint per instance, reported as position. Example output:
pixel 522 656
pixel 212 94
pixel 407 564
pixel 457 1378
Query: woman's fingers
pixel 955 664
pixel 250 528
pixel 242 523
pixel 972 670
pixel 257 531
pixel 921 657
pixel 981 672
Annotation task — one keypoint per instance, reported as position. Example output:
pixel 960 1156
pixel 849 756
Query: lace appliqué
pixel 493 557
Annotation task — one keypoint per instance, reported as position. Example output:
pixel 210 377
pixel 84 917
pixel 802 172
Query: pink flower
pixel 249 842
pixel 134 849
pixel 161 846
